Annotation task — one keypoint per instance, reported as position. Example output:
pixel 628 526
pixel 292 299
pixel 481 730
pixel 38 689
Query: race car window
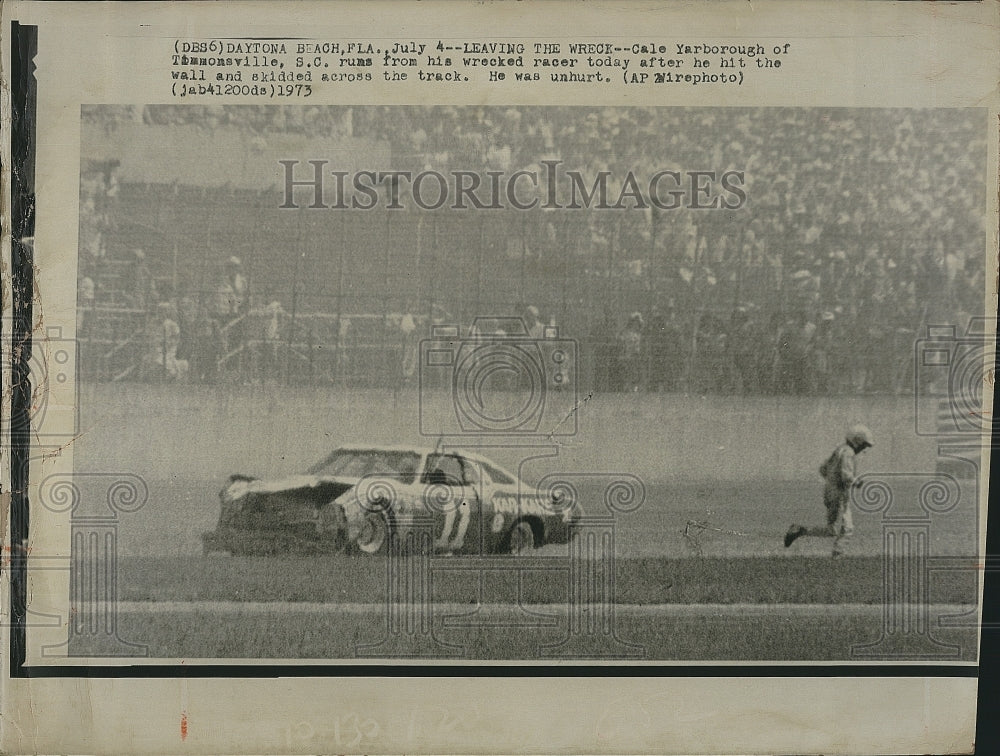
pixel 497 475
pixel 470 471
pixel 443 469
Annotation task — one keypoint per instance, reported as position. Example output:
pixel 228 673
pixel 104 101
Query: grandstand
pixel 841 255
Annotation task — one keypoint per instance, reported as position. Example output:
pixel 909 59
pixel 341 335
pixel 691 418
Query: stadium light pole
pixel 434 261
pixel 340 298
pixel 740 269
pixel 295 293
pixel 479 265
pixel 174 276
pixel 386 299
pixel 654 266
pixel 522 292
pixel 564 253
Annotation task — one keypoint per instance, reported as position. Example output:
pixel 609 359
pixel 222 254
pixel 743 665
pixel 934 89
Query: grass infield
pixel 204 634
pixel 765 580
pixel 284 633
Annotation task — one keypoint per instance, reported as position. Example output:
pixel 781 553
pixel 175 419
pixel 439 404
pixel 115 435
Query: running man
pixel 840 473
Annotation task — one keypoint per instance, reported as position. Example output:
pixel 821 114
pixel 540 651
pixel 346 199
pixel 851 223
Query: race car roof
pixel 423 451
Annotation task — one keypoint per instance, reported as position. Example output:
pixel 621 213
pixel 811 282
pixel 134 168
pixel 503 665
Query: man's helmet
pixel 858 435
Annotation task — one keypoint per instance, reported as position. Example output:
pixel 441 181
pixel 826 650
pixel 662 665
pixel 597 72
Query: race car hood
pixel 295 482
pixel 239 486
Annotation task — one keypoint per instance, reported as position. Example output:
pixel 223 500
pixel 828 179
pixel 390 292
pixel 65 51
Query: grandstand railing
pixel 305 353
pixel 331 264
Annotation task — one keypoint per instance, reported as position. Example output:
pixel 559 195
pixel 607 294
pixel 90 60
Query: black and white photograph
pixel 467 378
pixel 527 383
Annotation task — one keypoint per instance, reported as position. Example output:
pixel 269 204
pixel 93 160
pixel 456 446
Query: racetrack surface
pixel 693 545
pixel 777 604
pixel 721 520
pixel 733 555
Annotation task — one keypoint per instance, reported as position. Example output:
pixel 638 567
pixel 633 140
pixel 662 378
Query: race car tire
pixel 333 529
pixel 375 533
pixel 521 538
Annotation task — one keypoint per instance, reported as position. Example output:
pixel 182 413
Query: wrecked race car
pixel 359 498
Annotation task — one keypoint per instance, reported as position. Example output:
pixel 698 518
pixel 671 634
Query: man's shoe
pixel 794 532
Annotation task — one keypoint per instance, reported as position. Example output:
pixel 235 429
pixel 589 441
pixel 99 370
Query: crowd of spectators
pixel 313 120
pixel 747 353
pixel 861 226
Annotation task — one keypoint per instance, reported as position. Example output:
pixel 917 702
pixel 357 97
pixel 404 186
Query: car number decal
pixel 463 514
